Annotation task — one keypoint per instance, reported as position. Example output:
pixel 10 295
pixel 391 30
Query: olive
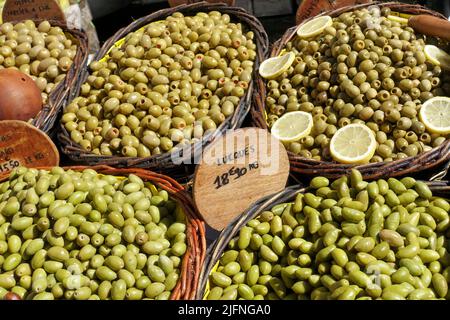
pixel 374 76
pixel 153 89
pixel 109 238
pixel 319 243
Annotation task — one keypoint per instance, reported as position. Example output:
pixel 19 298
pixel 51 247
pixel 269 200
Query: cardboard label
pixel 236 170
pixel 17 10
pixel 311 8
pixel 22 144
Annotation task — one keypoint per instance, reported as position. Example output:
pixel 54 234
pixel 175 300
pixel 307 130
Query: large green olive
pixel 93 237
pixel 378 240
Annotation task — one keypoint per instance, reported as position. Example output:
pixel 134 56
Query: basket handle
pixel 441 175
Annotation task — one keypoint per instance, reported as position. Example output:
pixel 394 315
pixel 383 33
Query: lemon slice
pixel 437 56
pixel 354 143
pixel 292 126
pixel 435 115
pixel 314 27
pixel 398 19
pixel 274 67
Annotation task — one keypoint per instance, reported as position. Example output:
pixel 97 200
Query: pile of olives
pixel 43 52
pixel 347 239
pixel 362 69
pixel 81 235
pixel 165 86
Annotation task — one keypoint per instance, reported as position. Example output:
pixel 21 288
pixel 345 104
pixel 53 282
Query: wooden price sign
pixel 17 10
pixel 22 144
pixel 311 8
pixel 236 170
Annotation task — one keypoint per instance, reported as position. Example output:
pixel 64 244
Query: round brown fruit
pixel 20 98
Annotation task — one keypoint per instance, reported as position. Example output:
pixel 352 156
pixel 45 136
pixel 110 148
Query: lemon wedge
pixel 437 56
pixel 274 67
pixel 353 144
pixel 398 19
pixel 435 115
pixel 292 126
pixel 314 27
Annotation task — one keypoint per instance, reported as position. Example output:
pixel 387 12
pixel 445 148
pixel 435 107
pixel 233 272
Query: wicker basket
pixel 164 161
pixel 215 251
pixel 174 3
pixel 194 257
pixel 303 166
pixel 46 118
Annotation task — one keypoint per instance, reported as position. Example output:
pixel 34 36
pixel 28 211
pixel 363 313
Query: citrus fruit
pixel 274 67
pixel 435 115
pixel 314 27
pixel 398 19
pixel 354 143
pixel 292 126
pixel 437 56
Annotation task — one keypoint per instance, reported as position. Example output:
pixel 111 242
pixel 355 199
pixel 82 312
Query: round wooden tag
pixel 22 144
pixel 17 10
pixel 236 170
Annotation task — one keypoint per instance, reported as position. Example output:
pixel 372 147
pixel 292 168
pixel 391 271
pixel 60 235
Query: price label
pixel 311 8
pixel 236 170
pixel 22 144
pixel 17 10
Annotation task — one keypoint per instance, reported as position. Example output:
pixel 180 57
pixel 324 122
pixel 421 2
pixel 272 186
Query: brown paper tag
pixel 311 8
pixel 238 169
pixel 18 10
pixel 22 144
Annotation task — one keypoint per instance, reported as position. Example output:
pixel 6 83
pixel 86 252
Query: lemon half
pixel 437 56
pixel 292 126
pixel 435 115
pixel 353 144
pixel 274 67
pixel 314 27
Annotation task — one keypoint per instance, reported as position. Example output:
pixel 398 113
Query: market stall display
pixel 97 233
pixel 359 65
pixel 345 239
pixel 51 55
pixel 180 77
pixel 359 96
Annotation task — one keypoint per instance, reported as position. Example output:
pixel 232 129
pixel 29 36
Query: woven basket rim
pixel 194 257
pixel 163 161
pixel 216 249
pixel 423 161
